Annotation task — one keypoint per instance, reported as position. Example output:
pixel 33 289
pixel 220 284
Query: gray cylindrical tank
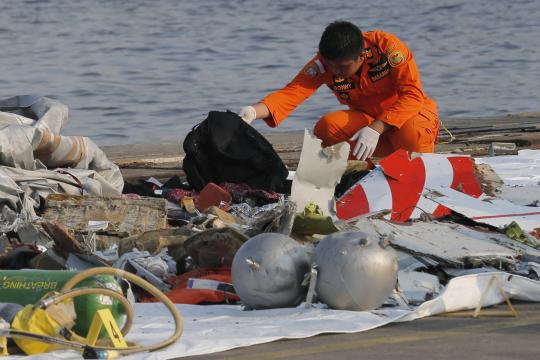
pixel 355 272
pixel 268 270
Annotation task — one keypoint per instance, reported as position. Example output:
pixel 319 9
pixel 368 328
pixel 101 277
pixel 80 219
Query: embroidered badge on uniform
pixel 311 70
pixel 396 58
pixel 380 69
pixel 368 53
pixel 341 84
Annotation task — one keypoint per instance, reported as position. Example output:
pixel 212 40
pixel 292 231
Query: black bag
pixel 223 148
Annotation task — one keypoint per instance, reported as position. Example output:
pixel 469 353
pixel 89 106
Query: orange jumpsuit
pixel 386 87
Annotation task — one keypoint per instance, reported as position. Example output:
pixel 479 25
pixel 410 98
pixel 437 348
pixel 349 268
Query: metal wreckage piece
pixel 450 245
pixel 268 271
pixel 274 217
pixel 355 271
pixel 153 268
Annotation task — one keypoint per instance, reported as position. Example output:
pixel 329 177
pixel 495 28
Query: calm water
pixel 138 71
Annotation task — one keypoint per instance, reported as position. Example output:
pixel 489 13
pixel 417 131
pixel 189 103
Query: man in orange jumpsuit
pixel 375 75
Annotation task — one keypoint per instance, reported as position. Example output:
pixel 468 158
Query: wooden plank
pixel 128 216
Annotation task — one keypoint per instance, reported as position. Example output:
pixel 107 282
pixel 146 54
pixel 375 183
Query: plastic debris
pixel 313 221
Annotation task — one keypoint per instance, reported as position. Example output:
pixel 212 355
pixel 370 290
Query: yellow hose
pixel 143 284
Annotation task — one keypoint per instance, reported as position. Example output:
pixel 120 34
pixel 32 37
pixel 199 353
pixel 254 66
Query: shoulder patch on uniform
pixel 311 70
pixel 391 48
pixel 396 58
pixel 320 66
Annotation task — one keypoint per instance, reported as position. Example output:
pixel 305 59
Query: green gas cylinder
pixel 25 287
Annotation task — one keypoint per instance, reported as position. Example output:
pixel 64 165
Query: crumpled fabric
pixel 176 195
pixel 30 139
pixel 245 193
pixel 35 160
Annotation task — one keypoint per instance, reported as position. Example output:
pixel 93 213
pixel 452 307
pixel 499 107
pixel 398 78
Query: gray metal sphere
pixel 356 272
pixel 268 270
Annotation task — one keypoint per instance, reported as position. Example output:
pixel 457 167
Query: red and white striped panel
pixel 399 182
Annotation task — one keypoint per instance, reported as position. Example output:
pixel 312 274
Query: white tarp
pixel 520 170
pixel 209 329
pixel 520 174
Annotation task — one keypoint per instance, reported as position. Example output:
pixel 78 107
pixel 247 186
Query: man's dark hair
pixel 341 40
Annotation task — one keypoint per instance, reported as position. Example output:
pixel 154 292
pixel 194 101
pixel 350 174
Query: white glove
pixel 366 141
pixel 248 114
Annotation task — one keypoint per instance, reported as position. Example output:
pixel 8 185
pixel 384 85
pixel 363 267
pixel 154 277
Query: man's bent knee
pixel 325 129
pixel 335 127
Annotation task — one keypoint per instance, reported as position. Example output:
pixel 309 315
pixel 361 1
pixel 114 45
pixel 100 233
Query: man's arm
pixel 379 126
pixel 253 112
pixel 275 107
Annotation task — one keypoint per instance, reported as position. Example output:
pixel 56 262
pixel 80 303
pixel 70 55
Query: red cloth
pixel 176 195
pixel 240 192
pixel 180 294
